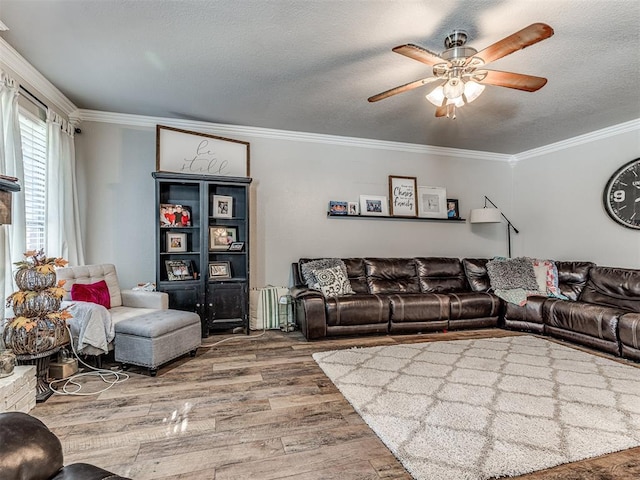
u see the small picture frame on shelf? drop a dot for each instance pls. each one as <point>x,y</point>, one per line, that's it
<point>374,205</point>
<point>337,208</point>
<point>353,208</point>
<point>178,270</point>
<point>432,202</point>
<point>222,206</point>
<point>236,247</point>
<point>176,242</point>
<point>453,210</point>
<point>402,196</point>
<point>219,270</point>
<point>174,215</point>
<point>221,237</point>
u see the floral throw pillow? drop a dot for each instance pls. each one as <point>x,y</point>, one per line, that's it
<point>332,282</point>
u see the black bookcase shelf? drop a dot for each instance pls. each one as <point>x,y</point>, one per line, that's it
<point>222,304</point>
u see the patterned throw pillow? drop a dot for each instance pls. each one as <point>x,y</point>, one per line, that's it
<point>551,277</point>
<point>332,282</point>
<point>512,273</point>
<point>308,270</point>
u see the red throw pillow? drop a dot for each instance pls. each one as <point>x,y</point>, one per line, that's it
<point>92,292</point>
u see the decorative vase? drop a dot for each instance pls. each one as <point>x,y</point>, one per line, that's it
<point>31,279</point>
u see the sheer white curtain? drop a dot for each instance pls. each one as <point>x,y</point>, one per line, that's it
<point>12,237</point>
<point>63,238</point>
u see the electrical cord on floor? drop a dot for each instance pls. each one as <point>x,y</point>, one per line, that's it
<point>264,332</point>
<point>110,377</point>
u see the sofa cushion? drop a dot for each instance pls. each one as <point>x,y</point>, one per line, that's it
<point>615,287</point>
<point>596,321</point>
<point>421,307</point>
<point>441,275</point>
<point>358,309</point>
<point>91,274</point>
<point>392,275</point>
<point>629,331</point>
<point>92,292</point>
<point>475,270</point>
<point>357,274</point>
<point>466,305</point>
<point>572,277</point>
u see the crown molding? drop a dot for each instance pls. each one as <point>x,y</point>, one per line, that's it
<point>226,130</point>
<point>630,126</point>
<point>13,60</point>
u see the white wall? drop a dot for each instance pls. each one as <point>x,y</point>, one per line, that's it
<point>293,183</point>
<point>558,200</point>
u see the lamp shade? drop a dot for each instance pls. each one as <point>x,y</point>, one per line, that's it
<point>485,215</point>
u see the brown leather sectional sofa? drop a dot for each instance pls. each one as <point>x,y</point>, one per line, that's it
<point>404,295</point>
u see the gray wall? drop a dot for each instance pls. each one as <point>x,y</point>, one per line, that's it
<point>293,183</point>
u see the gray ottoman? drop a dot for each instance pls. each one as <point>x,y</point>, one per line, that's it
<point>156,338</point>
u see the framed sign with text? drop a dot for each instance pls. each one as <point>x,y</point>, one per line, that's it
<point>183,151</point>
<point>402,196</point>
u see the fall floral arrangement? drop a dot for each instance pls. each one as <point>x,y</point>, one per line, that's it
<point>39,324</point>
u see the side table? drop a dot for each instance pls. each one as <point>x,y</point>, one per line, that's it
<point>41,361</point>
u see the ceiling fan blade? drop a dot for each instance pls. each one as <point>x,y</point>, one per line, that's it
<point>442,111</point>
<point>420,54</point>
<point>534,33</point>
<point>403,88</point>
<point>519,81</point>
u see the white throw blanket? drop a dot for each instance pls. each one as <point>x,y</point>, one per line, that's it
<point>90,326</point>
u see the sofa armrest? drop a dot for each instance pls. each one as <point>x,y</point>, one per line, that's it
<point>144,299</point>
<point>310,312</point>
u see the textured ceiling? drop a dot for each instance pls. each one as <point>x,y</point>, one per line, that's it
<point>310,65</point>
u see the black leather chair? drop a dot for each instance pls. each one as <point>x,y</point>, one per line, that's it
<point>30,451</point>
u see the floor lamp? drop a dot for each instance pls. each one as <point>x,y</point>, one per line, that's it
<point>492,215</point>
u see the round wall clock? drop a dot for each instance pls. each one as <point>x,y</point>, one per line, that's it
<point>622,195</point>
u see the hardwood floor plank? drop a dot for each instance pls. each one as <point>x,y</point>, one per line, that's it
<point>253,410</point>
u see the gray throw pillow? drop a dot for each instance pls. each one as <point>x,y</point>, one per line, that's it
<point>506,274</point>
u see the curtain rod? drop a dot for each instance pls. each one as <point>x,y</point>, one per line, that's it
<point>33,98</point>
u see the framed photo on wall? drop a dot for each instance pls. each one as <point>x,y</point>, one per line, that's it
<point>222,206</point>
<point>354,208</point>
<point>174,215</point>
<point>374,205</point>
<point>402,196</point>
<point>432,202</point>
<point>453,209</point>
<point>176,242</point>
<point>221,237</point>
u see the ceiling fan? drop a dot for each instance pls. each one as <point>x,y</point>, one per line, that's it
<point>460,69</point>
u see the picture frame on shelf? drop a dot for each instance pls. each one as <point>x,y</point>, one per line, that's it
<point>432,202</point>
<point>236,247</point>
<point>453,208</point>
<point>353,208</point>
<point>219,270</point>
<point>337,208</point>
<point>176,242</point>
<point>222,206</point>
<point>374,205</point>
<point>172,215</point>
<point>221,237</point>
<point>402,196</point>
<point>178,270</point>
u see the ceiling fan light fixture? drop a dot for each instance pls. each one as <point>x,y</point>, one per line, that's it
<point>436,96</point>
<point>454,88</point>
<point>472,90</point>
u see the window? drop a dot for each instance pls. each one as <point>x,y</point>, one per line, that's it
<point>33,131</point>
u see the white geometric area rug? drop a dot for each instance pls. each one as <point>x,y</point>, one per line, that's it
<point>479,409</point>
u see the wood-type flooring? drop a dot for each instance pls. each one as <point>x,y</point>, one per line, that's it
<point>251,408</point>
